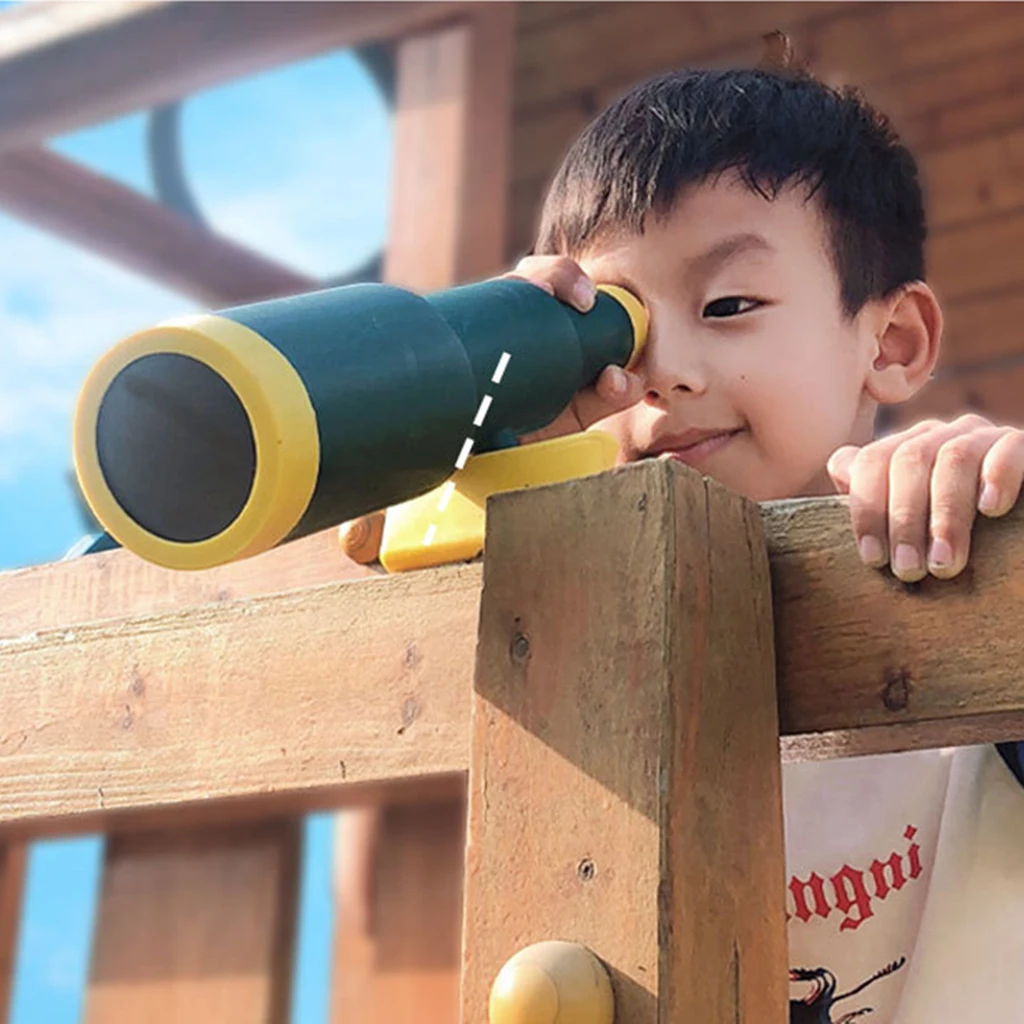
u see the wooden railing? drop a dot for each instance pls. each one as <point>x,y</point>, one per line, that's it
<point>621,677</point>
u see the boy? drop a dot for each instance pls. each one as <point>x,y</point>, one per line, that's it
<point>774,228</point>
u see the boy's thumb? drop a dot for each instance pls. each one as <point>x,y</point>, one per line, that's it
<point>839,465</point>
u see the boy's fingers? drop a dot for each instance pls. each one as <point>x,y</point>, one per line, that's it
<point>559,276</point>
<point>840,464</point>
<point>616,389</point>
<point>1002,471</point>
<point>910,489</point>
<point>954,498</point>
<point>863,474</point>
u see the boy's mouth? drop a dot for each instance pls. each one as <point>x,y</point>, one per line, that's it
<point>692,446</point>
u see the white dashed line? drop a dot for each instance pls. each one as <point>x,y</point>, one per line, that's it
<point>499,371</point>
<point>446,495</point>
<point>485,404</point>
<point>467,445</point>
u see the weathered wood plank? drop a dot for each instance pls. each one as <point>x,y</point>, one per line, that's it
<point>858,649</point>
<point>398,924</point>
<point>196,926</point>
<point>621,42</point>
<point>197,704</point>
<point>296,695</point>
<point>80,70</point>
<point>601,725</point>
<point>89,209</point>
<point>450,189</point>
<point>118,584</point>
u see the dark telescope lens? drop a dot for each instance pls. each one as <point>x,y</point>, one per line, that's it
<point>175,447</point>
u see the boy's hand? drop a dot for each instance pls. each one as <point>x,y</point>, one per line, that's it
<point>914,495</point>
<point>615,389</point>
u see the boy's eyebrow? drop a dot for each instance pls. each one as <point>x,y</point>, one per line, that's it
<point>711,259</point>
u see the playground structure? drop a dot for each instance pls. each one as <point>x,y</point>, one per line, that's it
<point>615,694</point>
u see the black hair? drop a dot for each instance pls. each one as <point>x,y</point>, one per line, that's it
<point>775,129</point>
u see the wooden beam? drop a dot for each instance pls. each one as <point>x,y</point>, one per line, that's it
<point>452,130</point>
<point>293,697</point>
<point>117,584</point>
<point>196,703</point>
<point>145,237</point>
<point>867,664</point>
<point>196,926</point>
<point>624,764</point>
<point>85,63</point>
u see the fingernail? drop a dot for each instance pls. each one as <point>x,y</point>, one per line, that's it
<point>583,294</point>
<point>940,556</point>
<point>905,559</point>
<point>989,500</point>
<point>618,386</point>
<point>871,552</point>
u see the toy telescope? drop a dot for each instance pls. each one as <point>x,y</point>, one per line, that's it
<point>215,437</point>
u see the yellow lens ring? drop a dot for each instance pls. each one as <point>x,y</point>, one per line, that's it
<point>637,313</point>
<point>281,417</point>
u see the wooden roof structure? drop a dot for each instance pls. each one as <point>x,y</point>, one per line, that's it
<point>488,96</point>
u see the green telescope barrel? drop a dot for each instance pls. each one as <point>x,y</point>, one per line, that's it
<point>215,437</point>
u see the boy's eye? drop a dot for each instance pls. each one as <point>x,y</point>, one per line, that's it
<point>733,305</point>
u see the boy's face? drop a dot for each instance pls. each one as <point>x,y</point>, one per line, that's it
<point>747,337</point>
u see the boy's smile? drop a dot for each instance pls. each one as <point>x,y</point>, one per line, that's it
<point>753,373</point>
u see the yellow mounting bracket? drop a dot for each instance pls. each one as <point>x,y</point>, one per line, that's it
<point>447,523</point>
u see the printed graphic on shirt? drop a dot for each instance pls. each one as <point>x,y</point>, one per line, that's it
<point>852,891</point>
<point>816,1006</point>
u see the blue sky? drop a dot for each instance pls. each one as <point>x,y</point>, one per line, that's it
<point>295,163</point>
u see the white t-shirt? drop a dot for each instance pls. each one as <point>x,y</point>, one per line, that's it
<point>905,888</point>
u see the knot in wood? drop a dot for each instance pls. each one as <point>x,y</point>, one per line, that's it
<point>896,694</point>
<point>586,869</point>
<point>520,649</point>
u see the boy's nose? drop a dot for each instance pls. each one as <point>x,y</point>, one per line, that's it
<point>671,367</point>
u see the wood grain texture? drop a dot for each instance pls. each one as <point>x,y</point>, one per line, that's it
<point>196,927</point>
<point>118,584</point>
<point>624,759</point>
<point>397,932</point>
<point>301,695</point>
<point>857,649</point>
<point>13,864</point>
<point>196,705</point>
<point>450,189</point>
<point>73,74</point>
<point>89,209</point>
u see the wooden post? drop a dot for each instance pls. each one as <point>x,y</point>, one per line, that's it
<point>196,926</point>
<point>399,907</point>
<point>624,771</point>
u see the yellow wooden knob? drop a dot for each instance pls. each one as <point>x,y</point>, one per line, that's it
<point>552,983</point>
<point>360,538</point>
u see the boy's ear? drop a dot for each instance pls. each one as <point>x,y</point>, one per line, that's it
<point>907,333</point>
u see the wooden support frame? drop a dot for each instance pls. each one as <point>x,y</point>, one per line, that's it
<point>624,759</point>
<point>89,209</point>
<point>63,66</point>
<point>835,624</point>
